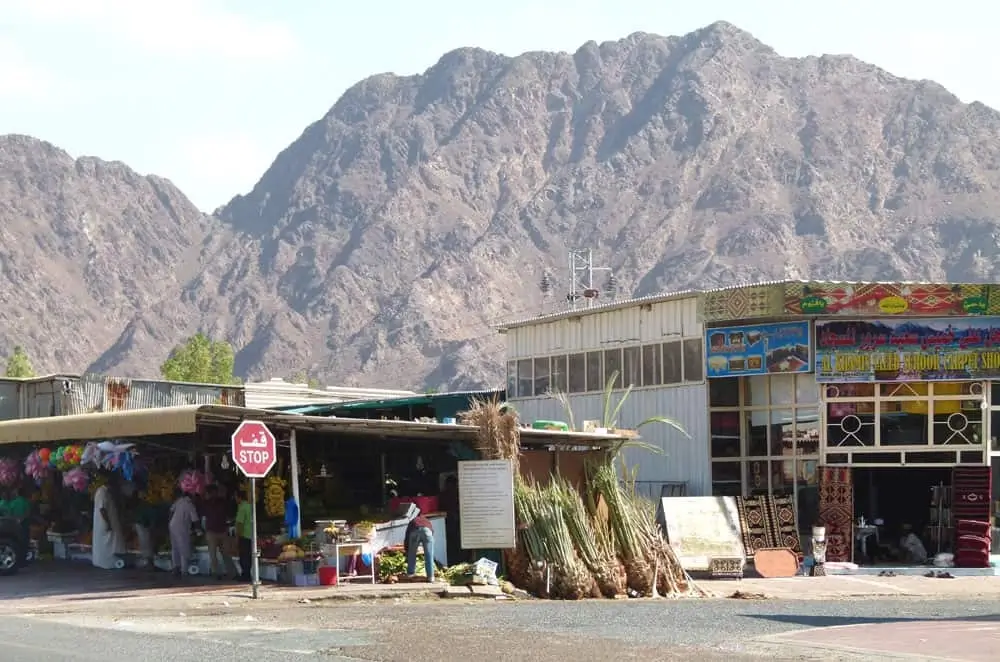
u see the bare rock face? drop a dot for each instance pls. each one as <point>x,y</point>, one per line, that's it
<point>85,244</point>
<point>381,245</point>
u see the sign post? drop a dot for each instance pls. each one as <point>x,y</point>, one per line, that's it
<point>255,452</point>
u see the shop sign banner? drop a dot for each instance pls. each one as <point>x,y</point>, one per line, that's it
<point>757,349</point>
<point>887,299</point>
<point>899,350</point>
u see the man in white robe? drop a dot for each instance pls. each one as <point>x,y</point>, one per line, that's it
<point>108,538</point>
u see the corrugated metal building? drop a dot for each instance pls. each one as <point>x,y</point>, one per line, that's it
<point>655,344</point>
<point>276,393</point>
<point>58,395</point>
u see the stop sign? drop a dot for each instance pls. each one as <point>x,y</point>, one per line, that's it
<point>255,450</point>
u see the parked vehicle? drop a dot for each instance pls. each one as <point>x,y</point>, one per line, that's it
<point>13,546</point>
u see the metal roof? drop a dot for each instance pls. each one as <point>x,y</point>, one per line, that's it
<point>186,419</point>
<point>600,308</point>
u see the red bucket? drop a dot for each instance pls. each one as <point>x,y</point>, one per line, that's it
<point>328,575</point>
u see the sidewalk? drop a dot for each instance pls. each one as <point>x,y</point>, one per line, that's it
<point>839,587</point>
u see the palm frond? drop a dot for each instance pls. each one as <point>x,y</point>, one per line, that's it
<point>665,421</point>
<point>563,398</point>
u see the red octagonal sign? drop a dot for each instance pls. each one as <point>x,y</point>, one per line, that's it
<point>255,450</point>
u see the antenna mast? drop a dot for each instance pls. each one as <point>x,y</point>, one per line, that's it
<point>581,272</point>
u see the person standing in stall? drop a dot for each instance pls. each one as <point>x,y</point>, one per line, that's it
<point>419,533</point>
<point>244,535</point>
<point>183,516</point>
<point>108,538</point>
<point>215,510</point>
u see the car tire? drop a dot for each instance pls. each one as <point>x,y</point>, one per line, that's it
<point>9,560</point>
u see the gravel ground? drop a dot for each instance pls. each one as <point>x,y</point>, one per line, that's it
<point>388,631</point>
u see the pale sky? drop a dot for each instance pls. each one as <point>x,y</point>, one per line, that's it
<point>207,92</point>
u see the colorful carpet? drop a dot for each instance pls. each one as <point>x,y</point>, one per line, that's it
<point>971,493</point>
<point>836,512</point>
<point>755,523</point>
<point>785,524</point>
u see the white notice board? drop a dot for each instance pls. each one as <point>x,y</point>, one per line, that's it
<point>486,504</point>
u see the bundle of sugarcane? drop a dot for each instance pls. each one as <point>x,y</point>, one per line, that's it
<point>622,521</point>
<point>571,580</point>
<point>601,562</point>
<point>671,579</point>
<point>530,555</point>
<point>614,570</point>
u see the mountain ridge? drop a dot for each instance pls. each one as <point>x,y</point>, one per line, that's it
<point>383,243</point>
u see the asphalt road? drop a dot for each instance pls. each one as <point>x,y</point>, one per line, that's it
<point>443,630</point>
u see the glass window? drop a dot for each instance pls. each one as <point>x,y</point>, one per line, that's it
<point>726,472</point>
<point>782,477</point>
<point>632,368</point>
<point>757,471</point>
<point>525,382</point>
<point>694,360</point>
<point>652,370</point>
<point>806,392</point>
<point>724,392</point>
<point>577,378</point>
<point>782,433</point>
<point>725,431</point>
<point>542,376</point>
<point>612,365</point>
<point>757,439</point>
<point>807,431</point>
<point>511,379</point>
<point>595,374</point>
<point>807,489</point>
<point>756,390</point>
<point>782,389</point>
<point>558,376</point>
<point>672,357</point>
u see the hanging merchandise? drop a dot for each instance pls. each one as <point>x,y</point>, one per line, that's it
<point>110,456</point>
<point>76,479</point>
<point>192,482</point>
<point>274,496</point>
<point>160,488</point>
<point>66,457</point>
<point>37,465</point>
<point>9,472</point>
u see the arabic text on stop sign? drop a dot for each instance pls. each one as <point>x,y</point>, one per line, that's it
<point>255,457</point>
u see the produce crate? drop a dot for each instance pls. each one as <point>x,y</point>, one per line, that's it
<point>306,580</point>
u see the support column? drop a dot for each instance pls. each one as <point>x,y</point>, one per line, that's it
<point>294,462</point>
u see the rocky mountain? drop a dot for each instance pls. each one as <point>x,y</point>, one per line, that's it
<point>381,244</point>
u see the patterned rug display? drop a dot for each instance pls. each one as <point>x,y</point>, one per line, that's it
<point>836,512</point>
<point>756,523</point>
<point>786,523</point>
<point>971,493</point>
<point>768,522</point>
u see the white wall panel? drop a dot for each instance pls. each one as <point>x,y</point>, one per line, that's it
<point>682,459</point>
<point>668,320</point>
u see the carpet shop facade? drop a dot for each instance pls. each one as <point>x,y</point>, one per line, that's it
<point>875,406</point>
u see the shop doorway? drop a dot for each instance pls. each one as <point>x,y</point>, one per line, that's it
<point>896,501</point>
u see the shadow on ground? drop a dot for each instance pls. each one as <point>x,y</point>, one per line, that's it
<point>818,621</point>
<point>79,582</point>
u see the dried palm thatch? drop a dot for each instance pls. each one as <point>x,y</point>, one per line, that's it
<point>499,434</point>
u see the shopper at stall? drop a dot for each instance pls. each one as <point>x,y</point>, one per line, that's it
<point>183,516</point>
<point>419,533</point>
<point>108,538</point>
<point>19,508</point>
<point>244,535</point>
<point>215,510</point>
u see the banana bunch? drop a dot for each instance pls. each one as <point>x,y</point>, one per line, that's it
<point>274,496</point>
<point>160,488</point>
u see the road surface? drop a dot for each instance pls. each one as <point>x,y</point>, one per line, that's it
<point>709,630</point>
